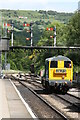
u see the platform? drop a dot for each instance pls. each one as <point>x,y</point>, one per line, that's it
<point>11,105</point>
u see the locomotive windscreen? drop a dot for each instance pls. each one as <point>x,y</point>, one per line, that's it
<point>67,64</point>
<point>53,64</point>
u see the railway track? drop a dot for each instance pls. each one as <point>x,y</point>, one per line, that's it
<point>62,116</point>
<point>72,100</point>
<point>73,96</point>
<point>50,110</point>
<point>37,82</point>
<point>69,98</point>
<point>65,98</point>
<point>54,100</point>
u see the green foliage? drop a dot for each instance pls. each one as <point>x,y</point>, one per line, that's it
<point>60,35</point>
<point>67,34</point>
<point>73,30</point>
<point>19,60</point>
<point>12,65</point>
<point>18,25</point>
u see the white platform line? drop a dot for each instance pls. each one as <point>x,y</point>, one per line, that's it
<point>26,105</point>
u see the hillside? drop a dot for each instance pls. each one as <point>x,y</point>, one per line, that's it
<point>67,30</point>
<point>36,15</point>
<point>40,18</point>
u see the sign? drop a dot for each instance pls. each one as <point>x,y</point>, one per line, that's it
<point>60,70</point>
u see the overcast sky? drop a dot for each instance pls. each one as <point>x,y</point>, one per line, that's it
<point>56,5</point>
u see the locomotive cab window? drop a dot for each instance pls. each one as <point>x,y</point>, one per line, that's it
<point>53,64</point>
<point>67,64</point>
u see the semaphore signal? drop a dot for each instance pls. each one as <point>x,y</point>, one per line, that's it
<point>7,24</point>
<point>30,31</point>
<point>51,29</point>
<point>54,36</point>
<point>26,25</point>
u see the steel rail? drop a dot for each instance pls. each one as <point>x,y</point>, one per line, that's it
<point>74,104</point>
<point>48,104</point>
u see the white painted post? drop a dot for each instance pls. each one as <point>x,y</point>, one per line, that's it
<point>31,36</point>
<point>55,36</point>
<point>12,35</point>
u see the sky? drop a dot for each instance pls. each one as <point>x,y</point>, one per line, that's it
<point>55,5</point>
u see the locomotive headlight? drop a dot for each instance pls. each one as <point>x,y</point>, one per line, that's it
<point>56,82</point>
<point>66,83</point>
<point>63,77</point>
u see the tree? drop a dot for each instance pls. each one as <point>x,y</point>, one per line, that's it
<point>73,30</point>
<point>60,37</point>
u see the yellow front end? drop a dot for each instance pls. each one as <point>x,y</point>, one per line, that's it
<point>61,73</point>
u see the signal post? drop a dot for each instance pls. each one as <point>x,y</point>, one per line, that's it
<point>5,41</point>
<point>30,31</point>
<point>12,33</point>
<point>53,36</point>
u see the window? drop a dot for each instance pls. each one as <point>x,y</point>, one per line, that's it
<point>67,64</point>
<point>53,64</point>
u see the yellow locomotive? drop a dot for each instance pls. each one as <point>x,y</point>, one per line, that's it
<point>58,73</point>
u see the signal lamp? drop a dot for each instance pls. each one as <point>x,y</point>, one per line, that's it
<point>51,36</point>
<point>27,38</point>
<point>24,25</point>
<point>27,25</point>
<point>8,31</point>
<point>51,29</point>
